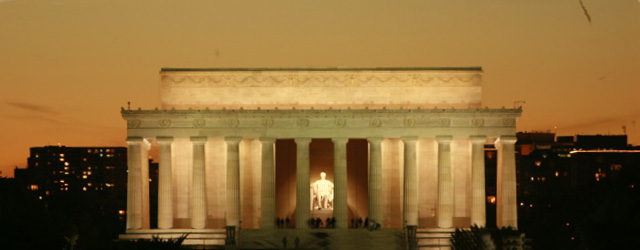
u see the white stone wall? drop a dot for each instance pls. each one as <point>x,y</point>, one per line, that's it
<point>321,89</point>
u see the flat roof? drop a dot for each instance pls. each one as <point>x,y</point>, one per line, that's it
<point>325,69</point>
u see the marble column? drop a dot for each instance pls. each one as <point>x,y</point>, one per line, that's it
<point>340,177</point>
<point>268,214</point>
<point>233,181</point>
<point>138,183</point>
<point>444,207</point>
<point>478,203</point>
<point>302,182</point>
<point>198,185</point>
<point>410,181</point>
<point>506,202</point>
<point>375,179</point>
<point>165,191</point>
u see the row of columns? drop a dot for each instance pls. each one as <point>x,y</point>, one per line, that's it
<point>138,194</point>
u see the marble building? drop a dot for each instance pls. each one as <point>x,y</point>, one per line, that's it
<point>239,148</point>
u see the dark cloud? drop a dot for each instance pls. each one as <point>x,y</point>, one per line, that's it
<point>34,117</point>
<point>32,107</point>
<point>606,121</point>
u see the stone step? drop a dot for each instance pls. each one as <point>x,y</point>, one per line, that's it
<point>433,247</point>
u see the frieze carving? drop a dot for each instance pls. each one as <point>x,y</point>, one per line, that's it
<point>164,123</point>
<point>508,122</point>
<point>409,122</point>
<point>320,80</point>
<point>477,122</point>
<point>198,123</point>
<point>444,122</point>
<point>300,119</point>
<point>232,123</point>
<point>375,123</point>
<point>302,122</point>
<point>267,123</point>
<point>134,123</point>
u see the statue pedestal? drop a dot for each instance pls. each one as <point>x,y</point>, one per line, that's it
<point>323,214</point>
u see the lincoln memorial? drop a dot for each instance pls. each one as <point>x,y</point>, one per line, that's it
<point>251,157</point>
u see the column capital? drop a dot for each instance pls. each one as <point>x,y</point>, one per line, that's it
<point>267,139</point>
<point>340,140</point>
<point>164,139</point>
<point>478,139</point>
<point>232,139</point>
<point>136,140</point>
<point>302,140</point>
<point>406,139</point>
<point>506,139</point>
<point>444,138</point>
<point>199,139</point>
<point>377,140</point>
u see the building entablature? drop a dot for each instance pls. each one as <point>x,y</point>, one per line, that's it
<point>325,123</point>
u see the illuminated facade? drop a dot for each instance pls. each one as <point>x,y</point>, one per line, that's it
<point>239,148</point>
<point>59,169</point>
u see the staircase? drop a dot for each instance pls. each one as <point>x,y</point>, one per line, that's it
<point>434,238</point>
<point>385,239</point>
<point>212,238</point>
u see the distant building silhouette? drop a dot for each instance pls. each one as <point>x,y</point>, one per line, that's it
<point>59,169</point>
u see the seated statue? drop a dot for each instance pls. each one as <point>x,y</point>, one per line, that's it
<point>322,193</point>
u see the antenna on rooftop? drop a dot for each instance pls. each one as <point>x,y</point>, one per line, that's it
<point>129,105</point>
<point>624,129</point>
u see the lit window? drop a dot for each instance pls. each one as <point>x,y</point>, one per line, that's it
<point>33,187</point>
<point>614,167</point>
<point>89,167</point>
<point>89,184</point>
<point>532,178</point>
<point>40,197</point>
<point>46,193</point>
<point>66,173</point>
<point>521,204</point>
<point>61,155</point>
<point>543,178</point>
<point>88,151</point>
<point>89,172</point>
<point>121,212</point>
<point>66,168</point>
<point>36,164</point>
<point>61,181</point>
<point>491,199</point>
<point>37,155</point>
<point>538,163</point>
<point>84,177</point>
<point>61,159</point>
<point>530,205</point>
<point>66,163</point>
<point>557,173</point>
<point>84,188</point>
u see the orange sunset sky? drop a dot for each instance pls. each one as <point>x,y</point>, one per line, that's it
<point>67,66</point>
